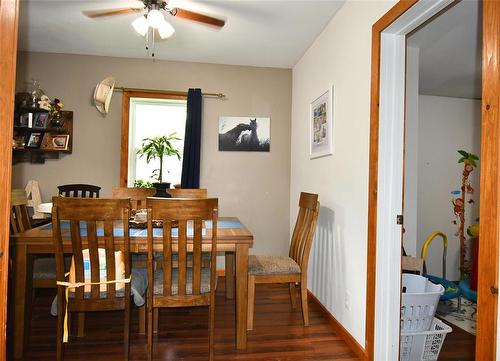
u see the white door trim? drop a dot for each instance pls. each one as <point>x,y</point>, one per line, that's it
<point>390,175</point>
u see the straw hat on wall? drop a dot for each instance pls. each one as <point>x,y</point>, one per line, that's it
<point>103,93</point>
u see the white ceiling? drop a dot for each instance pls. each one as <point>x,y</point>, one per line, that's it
<point>258,33</point>
<point>450,52</point>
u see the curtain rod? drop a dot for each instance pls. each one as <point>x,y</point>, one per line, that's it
<point>172,92</point>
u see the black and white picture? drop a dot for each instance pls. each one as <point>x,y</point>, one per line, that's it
<point>251,134</point>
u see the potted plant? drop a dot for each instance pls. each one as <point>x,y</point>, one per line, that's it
<point>157,148</point>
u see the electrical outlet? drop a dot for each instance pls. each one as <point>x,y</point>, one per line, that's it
<point>347,300</point>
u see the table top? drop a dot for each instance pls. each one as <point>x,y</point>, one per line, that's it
<point>229,231</point>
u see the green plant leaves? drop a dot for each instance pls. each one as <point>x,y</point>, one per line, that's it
<point>157,148</point>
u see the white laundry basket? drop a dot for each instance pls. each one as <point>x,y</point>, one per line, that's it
<point>423,345</point>
<point>419,302</point>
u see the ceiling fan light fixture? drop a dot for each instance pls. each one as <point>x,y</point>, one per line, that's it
<point>166,30</point>
<point>141,25</point>
<point>155,18</point>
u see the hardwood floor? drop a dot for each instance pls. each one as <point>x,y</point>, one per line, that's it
<point>278,333</point>
<point>458,346</point>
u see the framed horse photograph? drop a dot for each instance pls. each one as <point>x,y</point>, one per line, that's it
<point>245,134</point>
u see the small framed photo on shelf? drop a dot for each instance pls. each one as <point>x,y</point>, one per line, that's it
<point>34,140</point>
<point>24,119</point>
<point>40,120</point>
<point>60,141</point>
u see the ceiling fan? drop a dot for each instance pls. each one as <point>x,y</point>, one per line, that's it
<point>153,18</point>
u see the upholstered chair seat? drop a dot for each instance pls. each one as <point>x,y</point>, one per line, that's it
<point>272,265</point>
<point>204,286</point>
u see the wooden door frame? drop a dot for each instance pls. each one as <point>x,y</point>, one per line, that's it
<point>9,14</point>
<point>489,187</point>
<point>127,94</point>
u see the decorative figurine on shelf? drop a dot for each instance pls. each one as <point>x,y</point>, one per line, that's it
<point>54,107</point>
<point>459,202</point>
<point>35,92</point>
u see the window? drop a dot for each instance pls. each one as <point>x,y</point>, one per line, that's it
<point>151,117</point>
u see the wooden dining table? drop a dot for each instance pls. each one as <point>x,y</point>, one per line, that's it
<point>233,238</point>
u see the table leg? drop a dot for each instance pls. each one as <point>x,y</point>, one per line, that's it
<point>229,272</point>
<point>241,295</point>
<point>21,285</point>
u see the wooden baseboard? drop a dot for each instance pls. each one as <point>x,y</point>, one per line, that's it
<point>348,338</point>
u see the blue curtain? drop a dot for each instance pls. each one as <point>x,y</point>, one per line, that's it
<point>192,141</point>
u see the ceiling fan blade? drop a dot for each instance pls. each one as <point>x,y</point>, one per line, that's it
<point>191,15</point>
<point>110,12</point>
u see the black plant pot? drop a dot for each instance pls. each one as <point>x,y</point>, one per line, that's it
<point>161,190</point>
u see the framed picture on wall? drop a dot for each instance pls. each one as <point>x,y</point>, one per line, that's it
<point>245,134</point>
<point>321,125</point>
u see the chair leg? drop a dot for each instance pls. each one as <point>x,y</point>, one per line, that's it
<point>305,306</point>
<point>156,318</point>
<point>211,327</point>
<point>142,320</point>
<point>60,324</point>
<point>80,324</point>
<point>126,330</point>
<point>149,331</point>
<point>293,299</point>
<point>251,301</point>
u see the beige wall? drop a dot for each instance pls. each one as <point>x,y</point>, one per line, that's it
<point>252,186</point>
<point>339,56</point>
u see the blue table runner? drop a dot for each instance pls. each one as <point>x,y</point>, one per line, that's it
<point>157,232</point>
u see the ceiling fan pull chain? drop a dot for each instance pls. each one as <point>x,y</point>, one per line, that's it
<point>153,46</point>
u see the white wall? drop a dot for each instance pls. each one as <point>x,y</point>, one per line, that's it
<point>411,153</point>
<point>445,126</point>
<point>340,56</point>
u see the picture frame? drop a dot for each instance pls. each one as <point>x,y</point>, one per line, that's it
<point>24,119</point>
<point>40,120</point>
<point>244,134</point>
<point>321,125</point>
<point>33,140</point>
<point>60,141</point>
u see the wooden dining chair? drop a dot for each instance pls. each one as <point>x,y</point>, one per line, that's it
<point>182,286</point>
<point>188,193</point>
<point>137,195</point>
<point>291,269</point>
<point>92,225</point>
<point>79,190</point>
<point>44,268</point>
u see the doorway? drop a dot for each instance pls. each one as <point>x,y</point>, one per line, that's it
<point>441,177</point>
<point>386,175</point>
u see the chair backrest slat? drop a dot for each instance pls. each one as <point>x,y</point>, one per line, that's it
<point>94,257</point>
<point>188,215</point>
<point>167,257</point>
<point>92,226</point>
<point>197,246</point>
<point>76,246</point>
<point>305,227</point>
<point>79,190</point>
<point>182,249</point>
<point>137,195</point>
<point>109,241</point>
<point>188,193</point>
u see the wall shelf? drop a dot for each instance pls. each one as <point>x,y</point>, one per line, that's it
<point>45,147</point>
